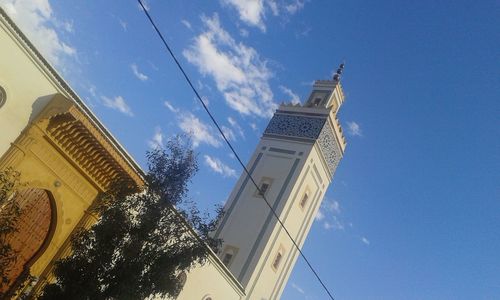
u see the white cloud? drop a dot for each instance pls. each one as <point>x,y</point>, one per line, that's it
<point>236,126</point>
<point>200,132</point>
<point>123,24</point>
<point>354,128</point>
<point>233,131</point>
<point>329,214</point>
<point>186,23</point>
<point>254,126</point>
<point>137,73</point>
<point>171,107</point>
<point>332,206</point>
<point>157,139</point>
<point>319,215</point>
<point>205,100</point>
<point>117,103</point>
<point>273,5</point>
<point>327,225</point>
<point>239,73</point>
<point>333,223</point>
<point>298,288</point>
<point>294,98</point>
<point>251,11</point>
<point>365,240</point>
<point>219,167</point>
<point>232,121</point>
<point>92,90</point>
<point>68,26</point>
<point>294,6</point>
<point>36,20</point>
<point>229,133</point>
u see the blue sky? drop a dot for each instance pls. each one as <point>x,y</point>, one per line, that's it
<point>414,208</point>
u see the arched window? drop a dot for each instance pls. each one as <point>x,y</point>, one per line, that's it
<point>304,199</point>
<point>278,258</point>
<point>228,255</point>
<point>182,277</point>
<point>34,228</point>
<point>264,187</point>
<point>3,96</point>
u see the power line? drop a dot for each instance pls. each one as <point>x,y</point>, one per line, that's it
<point>160,35</point>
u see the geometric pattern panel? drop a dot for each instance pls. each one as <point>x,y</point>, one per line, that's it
<point>295,126</point>
<point>330,148</point>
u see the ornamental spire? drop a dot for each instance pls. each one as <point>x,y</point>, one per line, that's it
<point>336,77</point>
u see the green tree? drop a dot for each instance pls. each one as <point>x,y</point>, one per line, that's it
<point>9,213</point>
<point>142,241</point>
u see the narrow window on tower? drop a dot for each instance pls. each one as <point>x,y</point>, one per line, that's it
<point>228,255</point>
<point>304,199</point>
<point>264,186</point>
<point>278,258</point>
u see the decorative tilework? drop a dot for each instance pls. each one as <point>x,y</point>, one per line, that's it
<point>308,127</point>
<point>329,147</point>
<point>295,126</point>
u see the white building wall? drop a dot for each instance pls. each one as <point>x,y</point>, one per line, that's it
<point>295,168</point>
<point>27,87</point>
<point>297,155</point>
<point>212,280</point>
<point>266,282</point>
<point>315,181</point>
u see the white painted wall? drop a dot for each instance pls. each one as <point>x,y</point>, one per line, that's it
<point>296,165</point>
<point>213,280</point>
<point>267,283</point>
<point>26,85</point>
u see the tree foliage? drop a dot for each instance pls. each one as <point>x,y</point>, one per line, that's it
<point>9,214</point>
<point>142,241</point>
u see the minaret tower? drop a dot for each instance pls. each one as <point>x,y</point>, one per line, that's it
<point>293,165</point>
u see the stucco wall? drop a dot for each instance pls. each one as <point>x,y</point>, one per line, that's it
<point>27,86</point>
<point>211,280</point>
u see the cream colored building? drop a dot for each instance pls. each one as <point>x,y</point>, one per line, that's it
<point>67,157</point>
<point>293,165</point>
<point>63,153</point>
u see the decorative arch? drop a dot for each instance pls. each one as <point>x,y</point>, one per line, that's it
<point>35,227</point>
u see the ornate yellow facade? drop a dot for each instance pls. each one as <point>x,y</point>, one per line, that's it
<point>58,146</point>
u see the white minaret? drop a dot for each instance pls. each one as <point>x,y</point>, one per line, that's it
<point>293,164</point>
